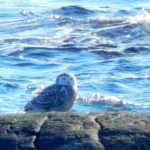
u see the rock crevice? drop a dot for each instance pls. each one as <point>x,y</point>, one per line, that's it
<point>45,118</point>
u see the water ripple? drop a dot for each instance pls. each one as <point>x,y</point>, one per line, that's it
<point>105,44</point>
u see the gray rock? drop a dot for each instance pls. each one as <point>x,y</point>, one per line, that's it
<point>69,131</point>
<point>75,131</point>
<point>125,131</point>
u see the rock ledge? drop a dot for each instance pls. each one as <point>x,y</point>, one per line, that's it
<point>75,131</point>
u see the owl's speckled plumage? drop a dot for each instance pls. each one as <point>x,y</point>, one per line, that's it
<point>57,97</point>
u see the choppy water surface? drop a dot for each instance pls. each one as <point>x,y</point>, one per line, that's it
<point>106,44</point>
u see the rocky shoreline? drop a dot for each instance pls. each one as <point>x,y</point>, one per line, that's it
<point>75,131</point>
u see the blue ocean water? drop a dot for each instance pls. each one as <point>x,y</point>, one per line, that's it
<point>106,44</point>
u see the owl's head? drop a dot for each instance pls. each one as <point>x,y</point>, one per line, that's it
<point>67,80</point>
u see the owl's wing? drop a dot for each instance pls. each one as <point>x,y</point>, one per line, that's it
<point>52,96</point>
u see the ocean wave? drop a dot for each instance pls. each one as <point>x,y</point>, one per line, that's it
<point>90,31</point>
<point>104,50</point>
<point>112,103</point>
<point>142,19</point>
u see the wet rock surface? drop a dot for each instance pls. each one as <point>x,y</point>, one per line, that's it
<point>75,131</point>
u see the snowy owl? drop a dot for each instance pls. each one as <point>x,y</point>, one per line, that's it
<point>57,97</point>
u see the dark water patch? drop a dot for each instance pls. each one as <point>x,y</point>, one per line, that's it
<point>123,12</point>
<point>26,64</point>
<point>137,49</point>
<point>147,67</point>
<point>73,10</point>
<point>108,54</point>
<point>123,61</point>
<point>142,8</point>
<point>107,7</point>
<point>106,45</point>
<point>9,86</point>
<point>107,61</point>
<point>15,53</point>
<point>69,49</point>
<point>37,53</point>
<point>37,66</point>
<point>71,45</point>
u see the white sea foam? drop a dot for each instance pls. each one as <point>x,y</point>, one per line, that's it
<point>26,12</point>
<point>110,100</point>
<point>97,97</point>
<point>54,16</point>
<point>142,19</point>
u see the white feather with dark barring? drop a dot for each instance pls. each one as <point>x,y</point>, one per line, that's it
<point>57,97</point>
